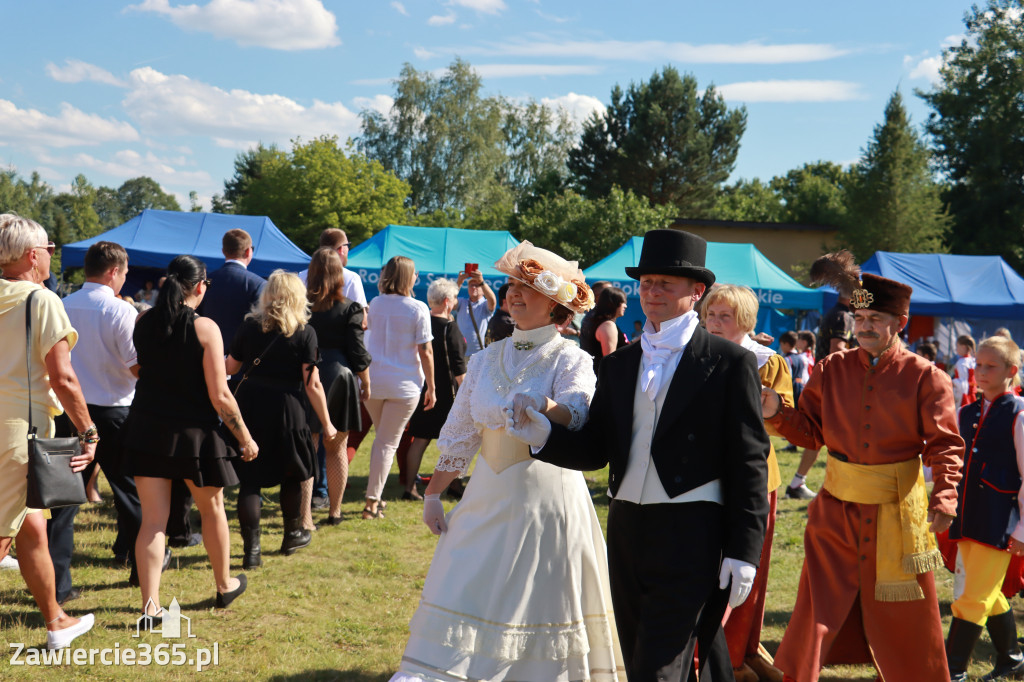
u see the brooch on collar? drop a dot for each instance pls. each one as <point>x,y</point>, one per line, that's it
<point>522,345</point>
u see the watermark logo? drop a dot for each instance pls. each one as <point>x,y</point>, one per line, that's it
<point>169,623</point>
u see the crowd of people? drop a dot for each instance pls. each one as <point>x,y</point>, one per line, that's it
<point>228,379</point>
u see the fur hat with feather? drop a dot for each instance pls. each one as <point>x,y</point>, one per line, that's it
<point>839,270</point>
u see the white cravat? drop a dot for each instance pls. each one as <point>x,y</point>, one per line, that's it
<point>762,353</point>
<point>658,346</point>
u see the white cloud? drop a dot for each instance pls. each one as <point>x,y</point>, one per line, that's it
<point>485,6</point>
<point>519,70</point>
<point>178,105</point>
<point>128,163</point>
<point>439,20</point>
<point>791,91</point>
<point>72,127</point>
<point>925,67</point>
<point>953,40</point>
<point>400,8</point>
<point>274,24</point>
<point>75,71</point>
<point>423,53</point>
<point>579,107</point>
<point>381,103</point>
<point>752,52</point>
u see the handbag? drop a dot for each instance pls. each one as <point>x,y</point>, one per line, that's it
<point>51,482</point>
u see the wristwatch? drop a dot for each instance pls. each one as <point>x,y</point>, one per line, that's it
<point>90,435</point>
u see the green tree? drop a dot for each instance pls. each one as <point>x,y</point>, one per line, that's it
<point>587,230</point>
<point>14,198</point>
<point>473,158</point>
<point>748,201</point>
<point>663,139</point>
<point>318,185</point>
<point>74,217</point>
<point>248,167</point>
<point>138,194</point>
<point>977,130</point>
<point>108,207</point>
<point>893,200</point>
<point>814,194</point>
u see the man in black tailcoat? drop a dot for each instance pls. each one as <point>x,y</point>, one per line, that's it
<point>678,417</point>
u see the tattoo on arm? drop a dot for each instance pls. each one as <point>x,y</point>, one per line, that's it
<point>233,420</point>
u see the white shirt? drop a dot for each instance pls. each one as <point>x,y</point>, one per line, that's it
<point>641,484</point>
<point>397,325</point>
<point>352,288</point>
<point>105,349</point>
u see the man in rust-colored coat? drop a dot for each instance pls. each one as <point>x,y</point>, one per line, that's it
<point>878,404</point>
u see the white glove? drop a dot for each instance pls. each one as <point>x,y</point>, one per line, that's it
<point>742,575</point>
<point>534,429</point>
<point>433,514</point>
<point>520,401</point>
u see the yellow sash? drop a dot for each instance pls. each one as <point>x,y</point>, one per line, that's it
<point>502,451</point>
<point>904,547</point>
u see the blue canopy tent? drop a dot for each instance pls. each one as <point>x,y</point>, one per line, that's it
<point>153,238</point>
<point>975,294</point>
<point>731,263</point>
<point>436,251</point>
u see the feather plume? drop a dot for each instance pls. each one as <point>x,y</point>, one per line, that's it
<point>838,270</point>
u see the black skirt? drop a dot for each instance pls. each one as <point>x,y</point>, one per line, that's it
<point>276,419</point>
<point>341,387</point>
<point>428,423</point>
<point>164,447</point>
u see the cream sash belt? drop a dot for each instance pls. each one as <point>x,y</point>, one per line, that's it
<point>502,451</point>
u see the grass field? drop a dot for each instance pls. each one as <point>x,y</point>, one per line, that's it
<point>335,611</point>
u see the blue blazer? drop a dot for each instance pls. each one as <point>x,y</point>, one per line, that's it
<point>232,293</point>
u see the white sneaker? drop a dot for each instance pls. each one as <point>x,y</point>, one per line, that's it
<point>801,492</point>
<point>9,562</point>
<point>58,639</point>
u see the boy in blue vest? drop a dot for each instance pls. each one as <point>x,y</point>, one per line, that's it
<point>988,527</point>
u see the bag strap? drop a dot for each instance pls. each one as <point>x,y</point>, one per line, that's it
<point>255,364</point>
<point>28,358</point>
<point>476,327</point>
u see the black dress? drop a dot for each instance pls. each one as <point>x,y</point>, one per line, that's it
<point>173,430</point>
<point>339,332</point>
<point>589,342</point>
<point>272,402</point>
<point>449,362</point>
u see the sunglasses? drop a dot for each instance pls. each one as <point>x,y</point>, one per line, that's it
<point>207,282</point>
<point>49,246</point>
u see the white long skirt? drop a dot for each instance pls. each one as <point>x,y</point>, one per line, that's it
<point>518,586</point>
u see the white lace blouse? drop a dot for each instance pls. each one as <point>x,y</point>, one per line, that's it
<point>553,366</point>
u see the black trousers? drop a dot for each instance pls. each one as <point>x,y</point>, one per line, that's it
<point>60,527</point>
<point>664,561</point>
<point>109,454</point>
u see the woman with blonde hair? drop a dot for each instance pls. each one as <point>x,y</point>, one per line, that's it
<point>729,311</point>
<point>344,367</point>
<point>275,352</point>
<point>398,338</point>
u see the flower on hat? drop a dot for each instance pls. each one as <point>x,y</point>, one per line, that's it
<point>547,282</point>
<point>529,269</point>
<point>584,299</point>
<point>566,293</point>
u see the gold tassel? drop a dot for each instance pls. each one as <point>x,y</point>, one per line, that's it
<point>904,591</point>
<point>922,562</point>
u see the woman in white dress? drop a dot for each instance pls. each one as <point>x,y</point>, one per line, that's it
<point>518,587</point>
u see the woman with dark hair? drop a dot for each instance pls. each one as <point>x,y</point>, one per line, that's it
<point>518,586</point>
<point>338,323</point>
<point>172,430</point>
<point>275,349</point>
<point>599,334</point>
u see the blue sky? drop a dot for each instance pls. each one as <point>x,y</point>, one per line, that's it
<point>118,89</point>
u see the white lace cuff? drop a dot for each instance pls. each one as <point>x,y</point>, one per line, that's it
<point>456,464</point>
<point>577,417</point>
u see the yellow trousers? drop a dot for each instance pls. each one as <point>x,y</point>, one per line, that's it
<point>984,571</point>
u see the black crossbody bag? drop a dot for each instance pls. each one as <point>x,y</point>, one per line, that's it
<point>51,482</point>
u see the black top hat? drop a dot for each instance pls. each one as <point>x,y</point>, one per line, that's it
<point>673,252</point>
